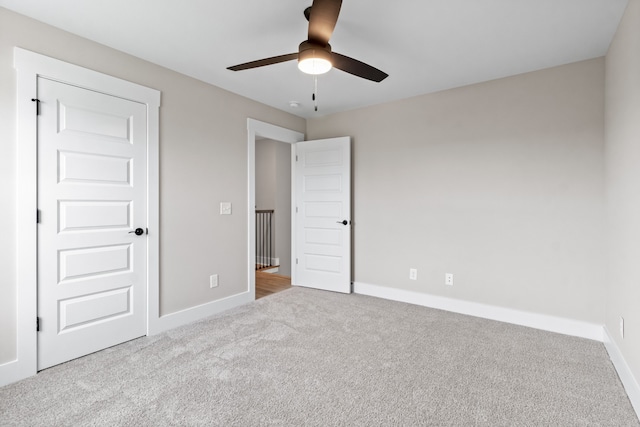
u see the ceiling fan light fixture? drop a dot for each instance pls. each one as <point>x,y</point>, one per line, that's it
<point>314,65</point>
<point>315,60</point>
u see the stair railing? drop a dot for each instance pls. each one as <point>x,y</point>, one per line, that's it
<point>264,239</point>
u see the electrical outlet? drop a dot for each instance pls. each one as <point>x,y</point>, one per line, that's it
<point>413,274</point>
<point>213,281</point>
<point>622,327</point>
<point>448,279</point>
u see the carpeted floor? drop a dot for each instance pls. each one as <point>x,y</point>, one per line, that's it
<point>311,358</point>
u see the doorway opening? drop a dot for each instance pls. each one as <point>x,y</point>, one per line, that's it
<point>257,133</point>
<point>273,216</point>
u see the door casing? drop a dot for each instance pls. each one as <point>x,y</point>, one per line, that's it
<point>29,66</point>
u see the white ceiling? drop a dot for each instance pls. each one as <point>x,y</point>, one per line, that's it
<point>424,45</point>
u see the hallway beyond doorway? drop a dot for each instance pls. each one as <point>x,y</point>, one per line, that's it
<point>270,283</point>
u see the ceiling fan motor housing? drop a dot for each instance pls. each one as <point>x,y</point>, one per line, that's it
<point>314,58</point>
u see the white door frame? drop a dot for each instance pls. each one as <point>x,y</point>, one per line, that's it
<point>256,128</point>
<point>29,66</point>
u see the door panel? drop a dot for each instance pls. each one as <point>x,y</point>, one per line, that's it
<point>88,309</point>
<point>93,215</point>
<point>94,169</point>
<point>92,173</point>
<point>323,201</point>
<point>93,262</point>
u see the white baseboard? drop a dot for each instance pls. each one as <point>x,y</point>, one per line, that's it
<point>193,314</point>
<point>626,376</point>
<point>12,372</point>
<point>533,320</point>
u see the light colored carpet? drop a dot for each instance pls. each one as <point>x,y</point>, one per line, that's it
<point>310,358</point>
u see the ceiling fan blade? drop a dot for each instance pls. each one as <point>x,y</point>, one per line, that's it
<point>357,68</point>
<point>322,20</point>
<point>263,62</point>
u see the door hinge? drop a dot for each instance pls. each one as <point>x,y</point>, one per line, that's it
<point>147,230</point>
<point>296,261</point>
<point>37,101</point>
<point>37,216</point>
<point>296,209</point>
<point>296,157</point>
<point>37,324</point>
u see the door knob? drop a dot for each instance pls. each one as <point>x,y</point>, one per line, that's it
<point>343,222</point>
<point>138,231</point>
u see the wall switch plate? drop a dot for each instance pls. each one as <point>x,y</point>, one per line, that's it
<point>213,281</point>
<point>225,208</point>
<point>448,279</point>
<point>413,273</point>
<point>622,327</point>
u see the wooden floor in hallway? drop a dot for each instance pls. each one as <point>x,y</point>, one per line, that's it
<point>270,283</point>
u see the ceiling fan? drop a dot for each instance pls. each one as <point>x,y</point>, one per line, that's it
<point>314,54</point>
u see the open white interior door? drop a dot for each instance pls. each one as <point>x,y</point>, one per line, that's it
<point>323,214</point>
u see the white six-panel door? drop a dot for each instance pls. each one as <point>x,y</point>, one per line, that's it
<point>91,196</point>
<point>323,217</point>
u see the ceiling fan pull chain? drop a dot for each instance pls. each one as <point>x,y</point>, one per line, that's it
<point>315,92</point>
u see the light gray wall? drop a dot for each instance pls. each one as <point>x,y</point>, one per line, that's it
<point>622,166</point>
<point>273,191</point>
<point>500,183</point>
<point>203,161</point>
<point>265,174</point>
